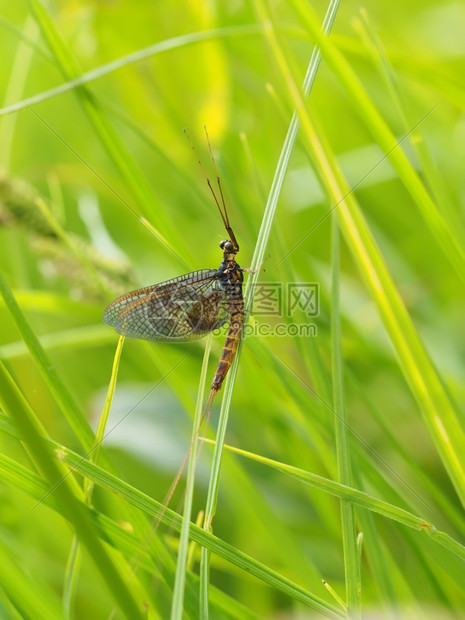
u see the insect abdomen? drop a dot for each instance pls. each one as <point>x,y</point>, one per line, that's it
<point>230,346</point>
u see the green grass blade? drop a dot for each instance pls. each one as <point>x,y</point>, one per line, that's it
<point>430,169</point>
<point>15,88</point>
<point>127,168</point>
<point>64,340</point>
<point>16,475</point>
<point>157,510</point>
<point>71,578</point>
<point>34,601</point>
<point>444,502</point>
<point>60,393</point>
<point>64,399</point>
<point>336,596</point>
<point>103,420</point>
<point>360,498</point>
<point>440,414</point>
<point>74,559</point>
<point>14,404</point>
<point>283,162</point>
<point>349,534</point>
<point>431,213</point>
<point>136,57</point>
<point>258,257</point>
<point>181,567</point>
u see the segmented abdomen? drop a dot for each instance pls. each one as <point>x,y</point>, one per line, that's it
<point>232,342</point>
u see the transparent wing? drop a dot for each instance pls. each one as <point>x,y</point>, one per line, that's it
<point>178,310</point>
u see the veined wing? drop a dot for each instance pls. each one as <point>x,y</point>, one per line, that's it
<point>178,310</point>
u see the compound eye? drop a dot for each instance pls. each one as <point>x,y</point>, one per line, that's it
<point>227,245</point>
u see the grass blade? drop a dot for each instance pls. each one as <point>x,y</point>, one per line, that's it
<point>14,404</point>
<point>108,137</point>
<point>349,534</point>
<point>74,559</point>
<point>258,257</point>
<point>69,407</point>
<point>181,567</point>
<point>440,414</point>
<point>158,510</point>
<point>431,213</point>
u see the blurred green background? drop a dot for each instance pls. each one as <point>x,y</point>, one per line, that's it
<point>93,158</point>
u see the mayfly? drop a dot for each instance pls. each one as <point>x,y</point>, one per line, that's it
<point>190,306</point>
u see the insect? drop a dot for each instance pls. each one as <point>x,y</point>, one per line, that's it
<point>188,307</point>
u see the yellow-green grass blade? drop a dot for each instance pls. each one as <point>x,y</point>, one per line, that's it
<point>24,595</point>
<point>390,144</point>
<point>14,90</point>
<point>128,169</point>
<point>343,455</point>
<point>112,532</point>
<point>439,411</point>
<point>51,377</point>
<point>160,47</point>
<point>257,260</point>
<point>360,498</point>
<point>181,566</point>
<point>16,407</point>
<point>155,509</point>
<point>74,558</point>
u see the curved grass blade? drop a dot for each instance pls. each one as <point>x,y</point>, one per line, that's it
<point>440,228</point>
<point>141,190</point>
<point>71,508</point>
<point>74,558</point>
<point>158,510</point>
<point>122,540</point>
<point>181,566</point>
<point>135,57</point>
<point>360,498</point>
<point>64,399</point>
<point>259,254</point>
<point>442,418</point>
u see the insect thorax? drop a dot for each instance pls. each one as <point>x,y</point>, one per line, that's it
<point>230,278</point>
